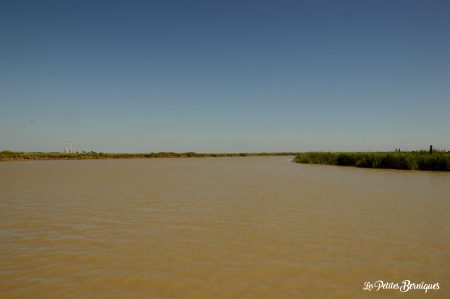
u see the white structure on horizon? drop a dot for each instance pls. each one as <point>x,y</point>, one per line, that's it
<point>69,148</point>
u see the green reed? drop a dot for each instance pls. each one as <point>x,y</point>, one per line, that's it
<point>421,160</point>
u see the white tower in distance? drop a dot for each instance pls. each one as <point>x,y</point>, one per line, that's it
<point>69,148</point>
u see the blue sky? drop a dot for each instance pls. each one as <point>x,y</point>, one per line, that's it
<point>224,76</point>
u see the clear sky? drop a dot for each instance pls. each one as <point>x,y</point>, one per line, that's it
<point>224,76</point>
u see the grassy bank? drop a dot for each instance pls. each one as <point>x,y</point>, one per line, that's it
<point>11,156</point>
<point>422,160</point>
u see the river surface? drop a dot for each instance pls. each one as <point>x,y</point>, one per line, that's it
<point>253,227</point>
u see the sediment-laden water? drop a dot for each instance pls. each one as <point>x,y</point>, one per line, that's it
<point>258,227</point>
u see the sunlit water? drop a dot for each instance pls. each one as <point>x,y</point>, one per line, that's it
<point>258,227</point>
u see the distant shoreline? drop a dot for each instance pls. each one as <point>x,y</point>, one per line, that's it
<point>418,160</point>
<point>26,156</point>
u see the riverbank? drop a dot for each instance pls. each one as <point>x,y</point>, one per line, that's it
<point>422,160</point>
<point>20,156</point>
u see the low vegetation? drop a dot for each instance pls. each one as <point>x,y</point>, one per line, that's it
<point>10,155</point>
<point>420,160</point>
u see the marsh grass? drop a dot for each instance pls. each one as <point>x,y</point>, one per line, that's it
<point>422,160</point>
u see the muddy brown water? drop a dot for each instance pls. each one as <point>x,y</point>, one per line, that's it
<point>253,227</point>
